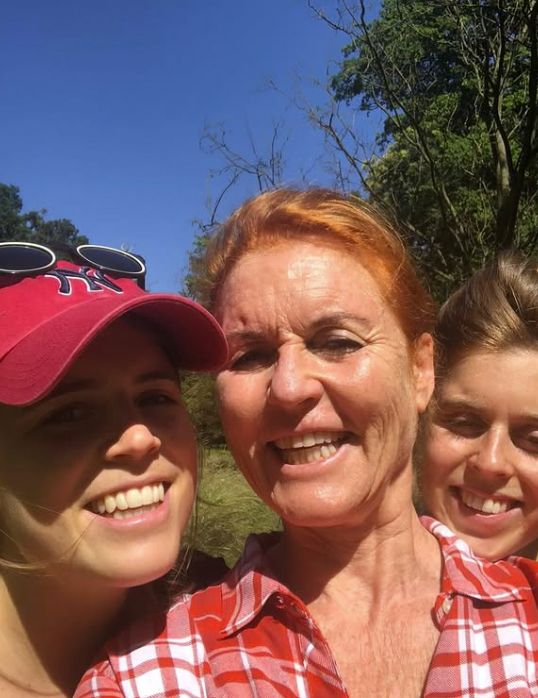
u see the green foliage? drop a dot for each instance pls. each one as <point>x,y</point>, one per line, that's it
<point>195,283</point>
<point>227,510</point>
<point>198,390</point>
<point>456,165</point>
<point>32,226</point>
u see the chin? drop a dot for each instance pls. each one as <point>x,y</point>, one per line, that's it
<point>134,574</point>
<point>488,549</point>
<point>324,515</point>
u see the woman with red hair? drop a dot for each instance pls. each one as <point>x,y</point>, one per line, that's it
<point>330,365</point>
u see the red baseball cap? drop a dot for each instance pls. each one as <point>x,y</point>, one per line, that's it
<point>47,320</point>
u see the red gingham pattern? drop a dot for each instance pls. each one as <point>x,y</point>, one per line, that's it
<point>250,637</point>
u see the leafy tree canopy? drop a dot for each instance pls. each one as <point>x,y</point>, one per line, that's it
<point>456,163</point>
<point>32,226</point>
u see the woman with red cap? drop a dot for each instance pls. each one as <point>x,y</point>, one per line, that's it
<point>97,453</point>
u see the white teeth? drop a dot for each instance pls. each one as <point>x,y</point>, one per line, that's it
<point>133,499</point>
<point>308,440</point>
<point>110,503</point>
<point>147,495</point>
<point>121,505</point>
<point>121,501</point>
<point>486,506</point>
<point>309,448</point>
<point>328,450</point>
<point>128,513</point>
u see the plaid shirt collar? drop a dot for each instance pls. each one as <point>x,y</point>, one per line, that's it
<point>463,573</point>
<point>251,571</point>
<point>492,582</point>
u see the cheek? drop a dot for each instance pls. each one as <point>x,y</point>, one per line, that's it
<point>240,402</point>
<point>180,447</point>
<point>45,491</point>
<point>35,537</point>
<point>527,473</point>
<point>442,455</point>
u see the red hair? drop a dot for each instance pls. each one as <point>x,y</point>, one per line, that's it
<point>328,218</point>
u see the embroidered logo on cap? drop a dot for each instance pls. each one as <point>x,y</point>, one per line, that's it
<point>94,280</point>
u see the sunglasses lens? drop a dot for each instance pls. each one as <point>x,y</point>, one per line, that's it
<point>111,260</point>
<point>23,258</point>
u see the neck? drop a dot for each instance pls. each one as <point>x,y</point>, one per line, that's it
<point>375,561</point>
<point>51,630</point>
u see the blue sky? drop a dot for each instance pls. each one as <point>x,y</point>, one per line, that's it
<point>103,104</point>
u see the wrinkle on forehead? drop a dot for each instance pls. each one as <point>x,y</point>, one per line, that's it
<point>308,276</point>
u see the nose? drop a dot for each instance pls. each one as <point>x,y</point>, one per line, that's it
<point>493,456</point>
<point>134,442</point>
<point>294,380</point>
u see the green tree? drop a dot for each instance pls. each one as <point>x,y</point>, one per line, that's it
<point>456,160</point>
<point>32,226</point>
<point>198,391</point>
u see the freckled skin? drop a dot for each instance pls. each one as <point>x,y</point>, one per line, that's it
<point>314,347</point>
<point>483,437</point>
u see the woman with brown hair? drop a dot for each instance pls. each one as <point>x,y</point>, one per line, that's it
<point>480,461</point>
<point>330,365</point>
<point>97,453</point>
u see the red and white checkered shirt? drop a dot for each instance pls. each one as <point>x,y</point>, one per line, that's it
<point>250,636</point>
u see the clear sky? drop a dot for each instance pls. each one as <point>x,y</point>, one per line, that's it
<point>102,105</point>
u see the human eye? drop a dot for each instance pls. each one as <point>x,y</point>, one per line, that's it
<point>466,425</point>
<point>252,359</point>
<point>160,397</point>
<point>527,441</point>
<point>335,344</point>
<point>66,415</point>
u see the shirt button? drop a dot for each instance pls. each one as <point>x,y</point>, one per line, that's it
<point>447,604</point>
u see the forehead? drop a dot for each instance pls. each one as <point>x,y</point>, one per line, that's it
<point>298,281</point>
<point>494,378</point>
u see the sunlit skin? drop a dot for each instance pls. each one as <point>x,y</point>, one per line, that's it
<point>314,348</point>
<point>482,444</point>
<point>116,421</point>
<point>319,402</point>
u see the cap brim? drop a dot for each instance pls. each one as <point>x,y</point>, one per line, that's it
<point>36,364</point>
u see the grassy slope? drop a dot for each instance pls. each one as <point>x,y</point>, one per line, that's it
<point>227,509</point>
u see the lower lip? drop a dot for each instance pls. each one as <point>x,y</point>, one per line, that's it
<point>146,519</point>
<point>479,523</point>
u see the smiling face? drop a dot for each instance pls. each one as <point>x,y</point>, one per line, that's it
<point>319,399</point>
<point>480,470</point>
<point>97,479</point>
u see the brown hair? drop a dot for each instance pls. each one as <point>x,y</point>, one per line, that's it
<point>323,216</point>
<point>494,310</point>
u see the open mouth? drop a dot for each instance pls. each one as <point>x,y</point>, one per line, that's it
<point>125,504</point>
<point>485,505</point>
<point>309,448</point>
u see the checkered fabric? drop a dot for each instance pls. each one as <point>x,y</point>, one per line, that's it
<point>249,636</point>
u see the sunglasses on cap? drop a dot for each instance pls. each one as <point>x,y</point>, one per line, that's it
<point>21,259</point>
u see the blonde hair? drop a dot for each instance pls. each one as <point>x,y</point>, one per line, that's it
<point>496,309</point>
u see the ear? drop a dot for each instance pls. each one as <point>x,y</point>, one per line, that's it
<point>423,370</point>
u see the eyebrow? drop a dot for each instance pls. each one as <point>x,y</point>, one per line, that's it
<point>469,403</point>
<point>321,322</point>
<point>458,403</point>
<point>92,384</point>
